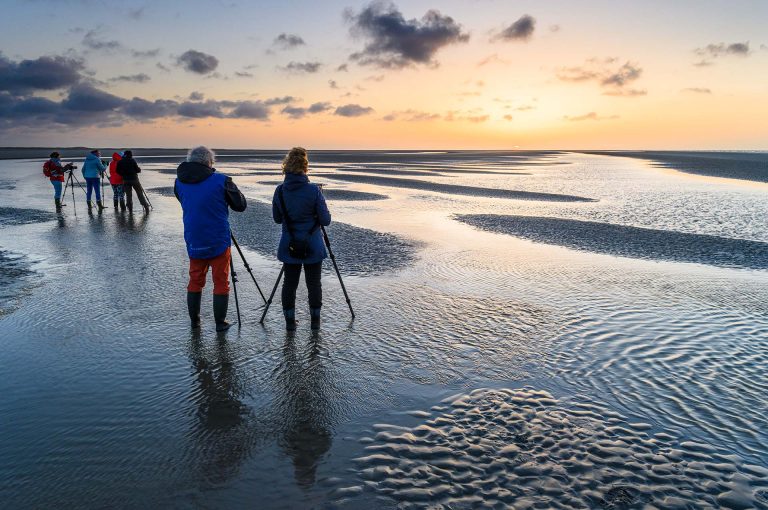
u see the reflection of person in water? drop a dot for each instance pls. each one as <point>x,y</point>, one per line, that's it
<point>224,431</point>
<point>305,410</point>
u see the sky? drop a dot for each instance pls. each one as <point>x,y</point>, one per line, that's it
<point>471,74</point>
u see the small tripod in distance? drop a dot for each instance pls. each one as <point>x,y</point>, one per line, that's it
<point>70,183</point>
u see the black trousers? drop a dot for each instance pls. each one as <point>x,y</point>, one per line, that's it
<point>291,283</point>
<point>128,187</point>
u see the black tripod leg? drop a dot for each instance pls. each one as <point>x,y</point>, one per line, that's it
<point>247,267</point>
<point>269,301</point>
<point>234,286</point>
<point>336,267</point>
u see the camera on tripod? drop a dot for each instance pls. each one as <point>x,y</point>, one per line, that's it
<point>69,167</point>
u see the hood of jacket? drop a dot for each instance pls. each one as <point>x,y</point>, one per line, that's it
<point>295,181</point>
<point>92,157</point>
<point>192,173</point>
<point>116,156</point>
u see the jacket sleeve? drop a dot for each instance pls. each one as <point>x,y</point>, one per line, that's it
<point>102,168</point>
<point>136,166</point>
<point>277,213</point>
<point>176,191</point>
<point>233,196</point>
<point>321,210</point>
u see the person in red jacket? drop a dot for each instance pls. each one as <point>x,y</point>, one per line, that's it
<point>116,180</point>
<point>54,170</point>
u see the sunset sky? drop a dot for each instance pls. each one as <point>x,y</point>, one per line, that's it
<point>419,74</point>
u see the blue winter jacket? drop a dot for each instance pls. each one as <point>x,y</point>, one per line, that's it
<point>306,208</point>
<point>92,167</point>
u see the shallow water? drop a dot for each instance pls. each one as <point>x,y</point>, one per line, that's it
<point>643,378</point>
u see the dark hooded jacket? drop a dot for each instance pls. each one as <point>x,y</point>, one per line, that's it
<point>128,169</point>
<point>307,210</point>
<point>206,197</point>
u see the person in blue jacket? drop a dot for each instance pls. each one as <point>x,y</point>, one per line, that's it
<point>300,207</point>
<point>206,197</point>
<point>93,169</point>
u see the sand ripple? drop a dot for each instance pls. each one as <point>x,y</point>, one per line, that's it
<point>524,448</point>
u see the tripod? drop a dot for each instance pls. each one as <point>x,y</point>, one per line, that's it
<point>335,266</point>
<point>71,181</point>
<point>234,275</point>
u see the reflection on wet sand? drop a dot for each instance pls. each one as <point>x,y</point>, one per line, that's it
<point>304,409</point>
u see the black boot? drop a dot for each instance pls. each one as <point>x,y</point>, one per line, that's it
<point>58,204</point>
<point>114,203</point>
<point>90,205</point>
<point>315,318</point>
<point>100,205</point>
<point>220,305</point>
<point>193,305</point>
<point>290,319</point>
<point>122,204</point>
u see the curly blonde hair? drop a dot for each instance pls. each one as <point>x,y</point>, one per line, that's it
<point>296,161</point>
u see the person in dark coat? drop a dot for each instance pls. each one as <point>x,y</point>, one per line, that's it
<point>300,207</point>
<point>206,197</point>
<point>129,170</point>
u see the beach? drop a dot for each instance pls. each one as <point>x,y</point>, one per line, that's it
<point>533,329</point>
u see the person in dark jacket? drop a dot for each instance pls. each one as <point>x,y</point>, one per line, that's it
<point>206,197</point>
<point>129,170</point>
<point>300,207</point>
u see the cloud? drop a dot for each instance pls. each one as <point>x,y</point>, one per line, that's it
<point>589,116</point>
<point>319,107</point>
<point>86,98</point>
<point>196,96</point>
<point>520,30</point>
<point>287,41</point>
<point>474,116</point>
<point>508,117</point>
<point>723,50</point>
<point>198,62</point>
<point>251,110</point>
<point>554,28</point>
<point>162,67</point>
<point>91,41</point>
<point>333,84</point>
<point>603,71</point>
<point>243,74</point>
<point>137,13</point>
<point>302,67</point>
<point>703,63</point>
<point>353,110</point>
<point>145,53</point>
<point>43,73</point>
<point>343,68</point>
<point>279,100</point>
<point>411,116</point>
<point>132,78</point>
<point>697,90</point>
<point>492,59</point>
<point>394,42</point>
<point>142,109</point>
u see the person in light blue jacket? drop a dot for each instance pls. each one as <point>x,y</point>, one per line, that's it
<point>93,169</point>
<point>300,207</point>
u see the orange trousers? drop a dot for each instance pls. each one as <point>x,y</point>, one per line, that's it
<point>198,270</point>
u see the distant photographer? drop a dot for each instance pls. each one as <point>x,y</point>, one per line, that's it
<point>206,197</point>
<point>54,170</point>
<point>129,170</point>
<point>300,207</point>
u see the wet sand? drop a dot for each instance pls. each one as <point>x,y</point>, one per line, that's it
<point>640,380</point>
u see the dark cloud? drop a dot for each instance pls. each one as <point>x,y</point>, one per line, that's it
<point>196,96</point>
<point>589,116</point>
<point>520,30</point>
<point>353,110</point>
<point>697,90</point>
<point>302,67</point>
<point>287,41</point>
<point>198,62</point>
<point>613,80</point>
<point>139,108</point>
<point>243,74</point>
<point>333,84</point>
<point>133,78</point>
<point>723,50</point>
<point>162,67</point>
<point>394,42</point>
<point>279,100</point>
<point>43,73</point>
<point>342,68</point>
<point>296,112</point>
<point>198,110</point>
<point>86,98</point>
<point>251,110</point>
<point>93,42</point>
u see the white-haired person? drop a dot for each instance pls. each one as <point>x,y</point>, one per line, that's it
<point>206,197</point>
